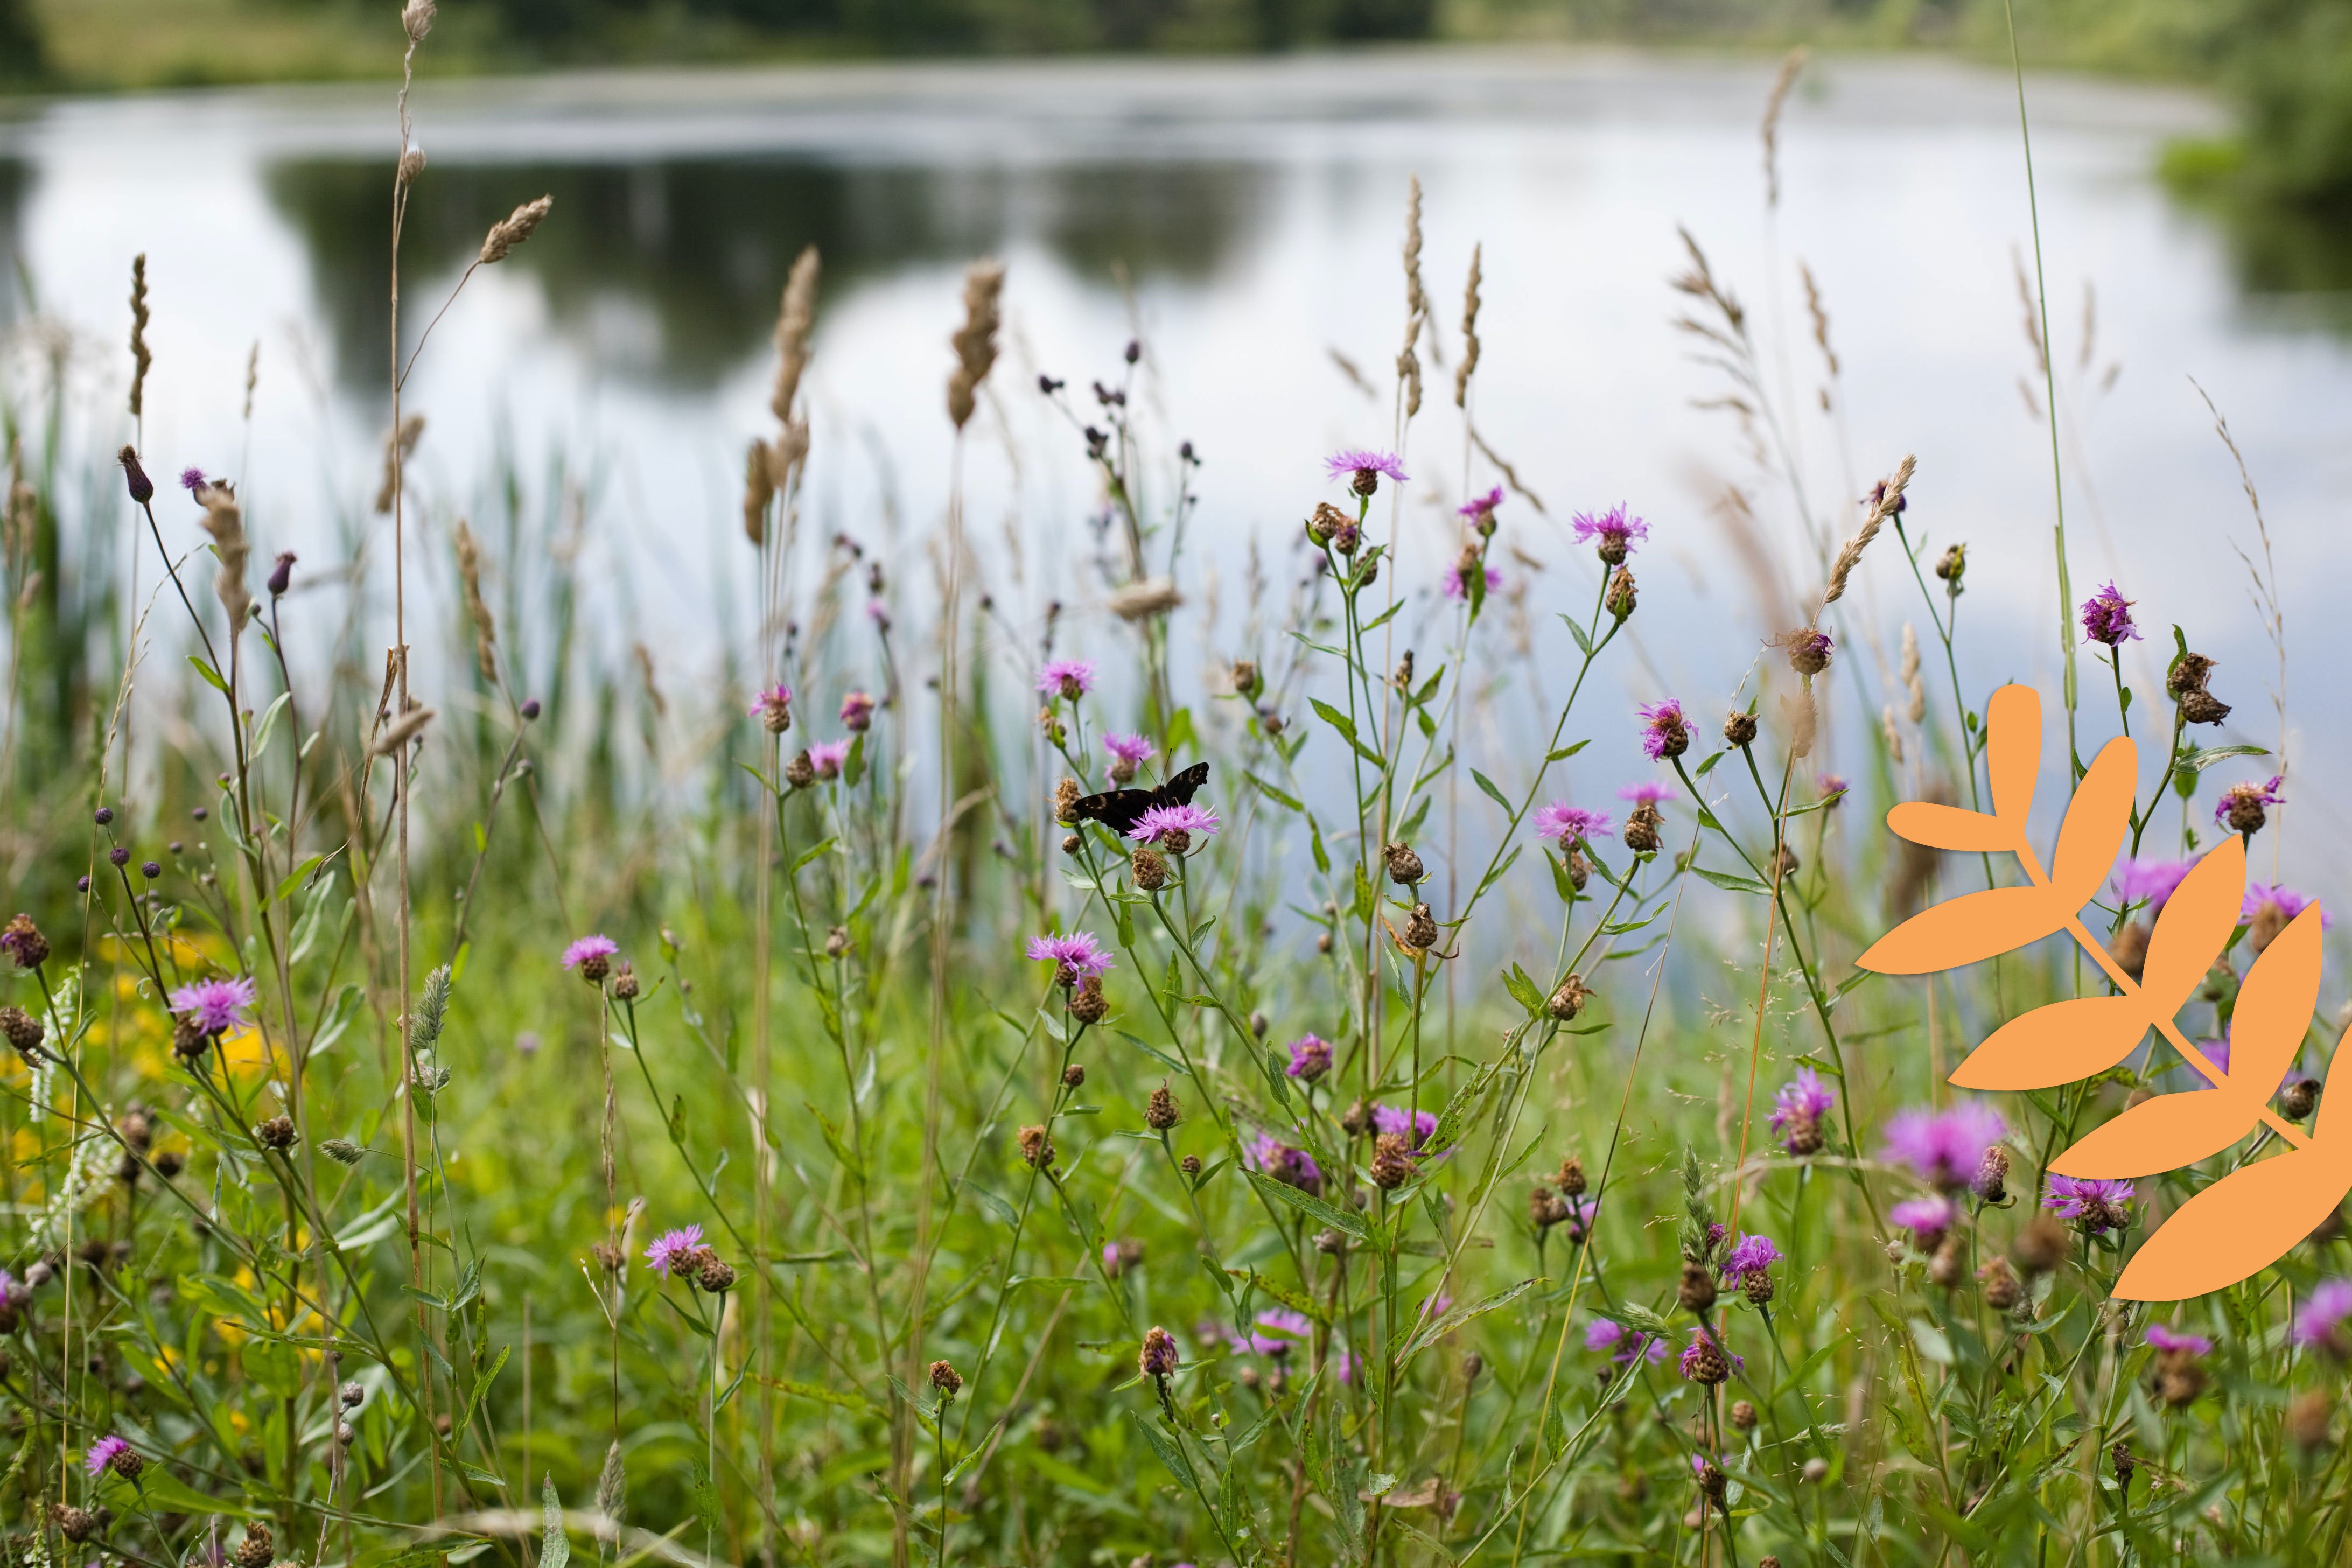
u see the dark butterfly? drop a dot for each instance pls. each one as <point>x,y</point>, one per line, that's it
<point>1119,809</point>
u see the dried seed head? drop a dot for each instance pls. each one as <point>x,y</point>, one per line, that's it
<point>2041,1246</point>
<point>1419,930</point>
<point>801,771</point>
<point>946,1380</point>
<point>1946,1266</point>
<point>470,576</point>
<point>1546,1208</point>
<point>1697,1292</point>
<point>1065,801</point>
<point>1620,599</point>
<point>2003,1291</point>
<point>1641,830</point>
<point>1400,677</point>
<point>224,521</point>
<point>1739,728</point>
<point>1405,866</point>
<point>2307,1417</point>
<point>1190,1164</point>
<point>1951,566</point>
<point>513,229</point>
<point>1743,1415</point>
<point>1565,1004</point>
<point>1160,1111</point>
<point>21,1029</point>
<point>2298,1099</point>
<point>1356,1119</point>
<point>1324,523</point>
<point>2130,947</point>
<point>1088,1004</point>
<point>795,321</point>
<point>838,942</point>
<point>714,1276</point>
<point>1580,869</point>
<point>975,340</point>
<point>257,1549</point>
<point>1393,1164</point>
<point>625,983</point>
<point>1247,681</point>
<point>759,490</point>
<point>277,1132</point>
<point>74,1524</point>
<point>417,20</point>
<point>2203,708</point>
<point>1149,870</point>
<point>1036,1148</point>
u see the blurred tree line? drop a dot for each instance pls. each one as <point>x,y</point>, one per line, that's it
<point>909,26</point>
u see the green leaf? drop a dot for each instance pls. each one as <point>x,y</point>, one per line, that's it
<point>294,878</point>
<point>1170,1452</point>
<point>1453,1320</point>
<point>1272,793</point>
<point>1493,794</point>
<point>554,1546</point>
<point>1583,643</point>
<point>1561,753</point>
<point>212,676</point>
<point>1522,989</point>
<point>1730,883</point>
<point>2198,761</point>
<point>1313,1207</point>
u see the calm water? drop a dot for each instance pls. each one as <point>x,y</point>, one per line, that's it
<point>1244,220</point>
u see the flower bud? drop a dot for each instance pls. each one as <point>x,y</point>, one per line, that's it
<point>1619,601</point>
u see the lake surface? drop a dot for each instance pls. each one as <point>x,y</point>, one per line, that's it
<point>1243,218</point>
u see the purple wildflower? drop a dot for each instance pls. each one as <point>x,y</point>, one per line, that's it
<point>217,1005</point>
<point>1647,791</point>
<point>2248,797</point>
<point>1277,1332</point>
<point>1832,786</point>
<point>880,614</point>
<point>2106,617</point>
<point>1570,824</point>
<point>2099,1205</point>
<point>1133,750</point>
<point>589,947</point>
<point>1391,1119</point>
<point>1613,530</point>
<point>1163,821</point>
<point>1074,956</point>
<point>1579,1223</point>
<point>1750,1255</point>
<point>1067,678</point>
<point>2218,1053</point>
<point>1802,1101</point>
<point>857,711</point>
<point>827,756</point>
<point>2319,1323</point>
<point>1926,1219</point>
<point>1481,506</point>
<point>1310,1057</point>
<point>1695,1352</point>
<point>1365,467</point>
<point>2148,882</point>
<point>1343,1367</point>
<point>102,1453</point>
<point>193,479</point>
<point>2288,902</point>
<point>1623,1345</point>
<point>775,699</point>
<point>673,1249</point>
<point>1293,1167</point>
<point>1944,1148</point>
<point>1455,587</point>
<point>2160,1338</point>
<point>1664,732</point>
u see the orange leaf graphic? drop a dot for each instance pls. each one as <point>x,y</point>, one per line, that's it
<point>2274,1004</point>
<point>2013,750</point>
<point>2163,1134</point>
<point>2194,925</point>
<point>1950,827</point>
<point>2097,821</point>
<point>1964,930</point>
<point>2243,1223</point>
<point>2056,1044</point>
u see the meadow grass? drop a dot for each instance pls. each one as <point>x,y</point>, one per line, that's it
<point>891,1144</point>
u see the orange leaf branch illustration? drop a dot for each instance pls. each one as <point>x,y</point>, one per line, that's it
<point>2216,1239</point>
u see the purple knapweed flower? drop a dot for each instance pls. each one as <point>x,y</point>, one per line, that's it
<point>2248,797</point>
<point>1276,1332</point>
<point>1664,732</point>
<point>1067,678</point>
<point>102,1452</point>
<point>827,756</point>
<point>1613,530</point>
<point>672,1250</point>
<point>2106,617</point>
<point>1750,1255</point>
<point>1074,956</point>
<point>1391,1119</point>
<point>1292,1166</point>
<point>1944,1148</point>
<point>1926,1219</point>
<point>1703,1345</point>
<point>216,1005</point>
<point>1647,793</point>
<point>1833,787</point>
<point>1132,749</point>
<point>1481,506</point>
<point>774,699</point>
<point>193,479</point>
<point>1623,1345</point>
<point>1364,468</point>
<point>2160,1338</point>
<point>2148,882</point>
<point>1798,1109</point>
<point>1343,1366</point>
<point>2218,1053</point>
<point>1310,1057</point>
<point>857,711</point>
<point>1570,824</point>
<point>2099,1205</point>
<point>1162,821</point>
<point>1578,1225</point>
<point>2319,1321</point>
<point>2285,899</point>
<point>589,947</point>
<point>1455,588</point>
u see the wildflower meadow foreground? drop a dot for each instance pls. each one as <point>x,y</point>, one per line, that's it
<point>1144,1087</point>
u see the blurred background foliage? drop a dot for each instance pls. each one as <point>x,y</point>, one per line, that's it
<point>2286,64</point>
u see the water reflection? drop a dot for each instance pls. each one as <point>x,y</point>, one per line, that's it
<point>699,247</point>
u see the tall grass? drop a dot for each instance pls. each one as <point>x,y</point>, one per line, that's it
<point>427,1143</point>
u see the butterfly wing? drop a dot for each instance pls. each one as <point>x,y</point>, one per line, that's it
<point>1116,809</point>
<point>1178,791</point>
